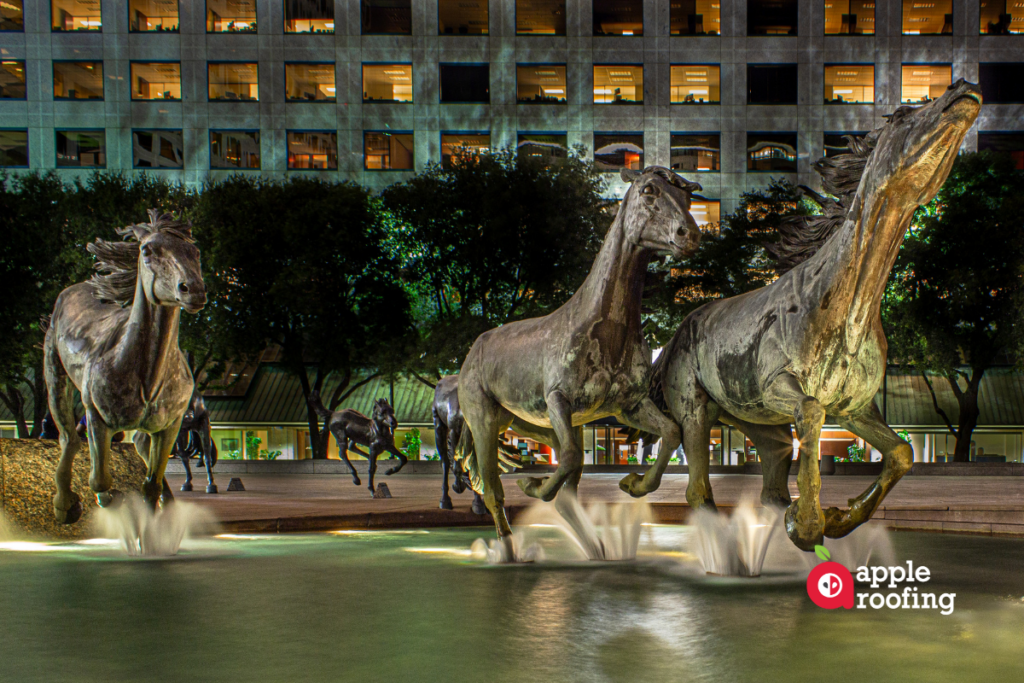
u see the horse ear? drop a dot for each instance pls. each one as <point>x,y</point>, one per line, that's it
<point>689,185</point>
<point>628,175</point>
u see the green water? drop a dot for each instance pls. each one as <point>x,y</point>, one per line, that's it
<point>407,607</point>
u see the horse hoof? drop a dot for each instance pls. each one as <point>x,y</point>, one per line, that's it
<point>187,486</point>
<point>356,482</point>
<point>446,503</point>
<point>109,499</point>
<point>529,485</point>
<point>212,488</point>
<point>633,484</point>
<point>479,508</point>
<point>72,514</point>
<point>803,536</point>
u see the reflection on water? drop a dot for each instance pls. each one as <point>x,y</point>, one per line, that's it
<point>414,607</point>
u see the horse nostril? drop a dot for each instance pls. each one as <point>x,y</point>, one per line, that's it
<point>183,288</point>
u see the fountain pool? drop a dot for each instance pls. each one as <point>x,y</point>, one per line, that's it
<point>414,606</point>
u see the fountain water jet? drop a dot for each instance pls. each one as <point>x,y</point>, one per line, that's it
<point>143,531</point>
<point>735,545</point>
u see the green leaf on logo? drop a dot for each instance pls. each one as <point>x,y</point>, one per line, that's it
<point>822,552</point>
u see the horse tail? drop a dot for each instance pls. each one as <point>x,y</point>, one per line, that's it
<point>441,436</point>
<point>318,406</point>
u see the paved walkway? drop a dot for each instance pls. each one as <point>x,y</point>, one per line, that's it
<point>986,505</point>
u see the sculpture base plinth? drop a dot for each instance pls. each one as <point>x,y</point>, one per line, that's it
<point>27,467</point>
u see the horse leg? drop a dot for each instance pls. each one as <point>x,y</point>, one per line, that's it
<point>441,441</point>
<point>100,478</point>
<point>160,445</point>
<point>67,505</point>
<point>343,454</point>
<point>570,456</point>
<point>774,444</point>
<point>402,460</point>
<point>648,417</point>
<point>372,468</point>
<point>567,505</point>
<point>187,486</point>
<point>206,443</point>
<point>897,459</point>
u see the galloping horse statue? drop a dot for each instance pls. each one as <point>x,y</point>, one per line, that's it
<point>195,439</point>
<point>115,338</point>
<point>584,361</point>
<point>350,427</point>
<point>810,346</point>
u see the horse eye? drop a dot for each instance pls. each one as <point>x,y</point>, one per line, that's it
<point>648,189</point>
<point>147,251</point>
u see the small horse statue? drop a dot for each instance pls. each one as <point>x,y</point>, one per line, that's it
<point>350,427</point>
<point>585,361</point>
<point>115,338</point>
<point>810,346</point>
<point>195,440</point>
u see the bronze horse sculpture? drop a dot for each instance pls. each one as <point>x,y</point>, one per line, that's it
<point>195,440</point>
<point>115,338</point>
<point>586,360</point>
<point>350,427</point>
<point>810,346</point>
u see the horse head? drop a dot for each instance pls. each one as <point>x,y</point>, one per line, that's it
<point>656,211</point>
<point>384,416</point>
<point>169,265</point>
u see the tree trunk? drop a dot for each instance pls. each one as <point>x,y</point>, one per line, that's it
<point>41,407</point>
<point>967,401</point>
<point>317,441</point>
<point>15,403</point>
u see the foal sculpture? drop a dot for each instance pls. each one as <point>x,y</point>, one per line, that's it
<point>350,427</point>
<point>584,361</point>
<point>195,439</point>
<point>811,345</point>
<point>115,338</point>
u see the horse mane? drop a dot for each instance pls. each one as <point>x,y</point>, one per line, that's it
<point>118,262</point>
<point>802,236</point>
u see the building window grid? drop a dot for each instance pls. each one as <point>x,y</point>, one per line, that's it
<point>12,16</point>
<point>312,150</point>
<point>158,149</point>
<point>12,79</point>
<point>388,151</point>
<point>152,16</point>
<point>231,16</point>
<point>155,80</point>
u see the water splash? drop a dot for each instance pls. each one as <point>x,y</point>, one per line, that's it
<point>604,531</point>
<point>867,544</point>
<point>736,545</point>
<point>145,532</point>
<point>505,551</point>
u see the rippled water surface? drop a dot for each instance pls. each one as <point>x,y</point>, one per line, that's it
<point>414,606</point>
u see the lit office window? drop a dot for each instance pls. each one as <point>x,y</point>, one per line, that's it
<point>459,148</point>
<point>75,15</point>
<point>540,17</point>
<point>387,16</point>
<point>836,143</point>
<point>695,17</point>
<point>313,150</point>
<point>465,84</point>
<point>462,17</point>
<point>309,16</point>
<point>1002,82</point>
<point>707,214</point>
<point>235,149</point>
<point>388,151</point>
<point>934,17</point>
<point>81,148</point>
<point>387,82</point>
<point>618,17</point>
<point>696,153</point>
<point>156,80</point>
<point>772,83</point>
<point>540,83</point>
<point>14,148</point>
<point>1006,143</point>
<point>772,17</point>
<point>231,16</point>
<point>12,80</point>
<point>1002,17</point>
<point>78,80</point>
<point>849,17</point>
<point>151,15</point>
<point>619,84</point>
<point>233,81</point>
<point>546,149</point>
<point>312,82</point>
<point>849,83</point>
<point>12,16</point>
<point>614,151</point>
<point>924,82</point>
<point>696,84</point>
<point>158,149</point>
<point>771,152</point>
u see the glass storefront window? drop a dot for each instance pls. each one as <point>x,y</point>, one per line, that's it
<point>547,149</point>
<point>695,17</point>
<point>234,149</point>
<point>618,17</point>
<point>392,17</point>
<point>313,150</point>
<point>231,16</point>
<point>1002,17</point>
<point>849,17</point>
<point>692,153</point>
<point>924,82</point>
<point>540,17</point>
<point>619,84</point>
<point>463,147</point>
<point>613,151</point>
<point>14,148</point>
<point>695,84</point>
<point>387,83</point>
<point>12,80</point>
<point>927,18</point>
<point>387,151</point>
<point>309,16</point>
<point>233,81</point>
<point>12,15</point>
<point>540,84</point>
<point>78,80</point>
<point>81,148</point>
<point>75,15</point>
<point>156,80</point>
<point>158,149</point>
<point>771,152</point>
<point>309,82</point>
<point>849,83</point>
<point>152,15</point>
<point>462,17</point>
